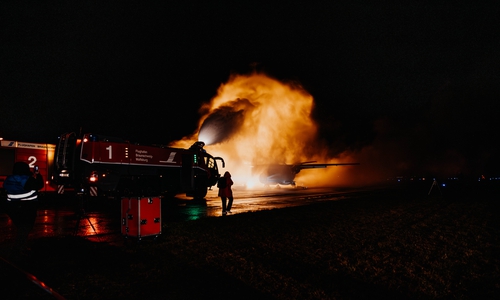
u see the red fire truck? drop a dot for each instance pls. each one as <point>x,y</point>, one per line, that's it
<point>98,165</point>
<point>41,155</point>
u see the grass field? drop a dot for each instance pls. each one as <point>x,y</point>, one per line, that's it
<point>394,244</point>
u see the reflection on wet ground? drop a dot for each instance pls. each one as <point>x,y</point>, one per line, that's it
<point>100,218</point>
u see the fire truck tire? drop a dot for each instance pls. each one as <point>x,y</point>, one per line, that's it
<point>200,193</point>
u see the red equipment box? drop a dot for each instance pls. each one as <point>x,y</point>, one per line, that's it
<point>141,216</point>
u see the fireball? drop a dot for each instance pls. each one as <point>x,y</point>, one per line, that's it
<point>255,120</point>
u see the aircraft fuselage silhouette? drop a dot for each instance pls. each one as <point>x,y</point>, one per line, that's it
<point>284,174</point>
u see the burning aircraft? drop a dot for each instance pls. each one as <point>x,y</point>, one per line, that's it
<point>257,121</point>
<point>283,174</point>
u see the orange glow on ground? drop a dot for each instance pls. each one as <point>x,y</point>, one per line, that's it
<point>255,120</point>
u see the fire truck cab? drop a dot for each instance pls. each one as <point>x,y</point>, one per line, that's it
<point>101,165</point>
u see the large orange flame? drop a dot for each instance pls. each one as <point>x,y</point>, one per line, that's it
<point>255,119</point>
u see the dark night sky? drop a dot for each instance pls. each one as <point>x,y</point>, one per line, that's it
<point>422,77</point>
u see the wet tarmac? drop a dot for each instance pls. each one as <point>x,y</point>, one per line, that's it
<point>100,219</point>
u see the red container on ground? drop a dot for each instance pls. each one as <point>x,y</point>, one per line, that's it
<point>141,216</point>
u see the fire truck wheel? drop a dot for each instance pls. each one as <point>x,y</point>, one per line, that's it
<point>200,193</point>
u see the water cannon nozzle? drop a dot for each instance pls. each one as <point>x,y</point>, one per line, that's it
<point>198,145</point>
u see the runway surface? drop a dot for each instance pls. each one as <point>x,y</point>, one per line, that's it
<point>100,218</point>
